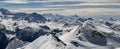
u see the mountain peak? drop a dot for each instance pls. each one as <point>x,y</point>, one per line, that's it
<point>41,42</point>
<point>35,13</point>
<point>4,11</point>
<point>34,17</point>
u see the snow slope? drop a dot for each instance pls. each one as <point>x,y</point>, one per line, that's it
<point>91,35</point>
<point>45,42</point>
<point>73,32</point>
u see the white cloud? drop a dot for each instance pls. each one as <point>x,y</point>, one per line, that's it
<point>15,1</point>
<point>23,1</point>
<point>92,11</point>
<point>86,7</point>
<point>82,12</point>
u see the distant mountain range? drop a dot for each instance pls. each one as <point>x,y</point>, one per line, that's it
<point>33,17</point>
<point>53,31</point>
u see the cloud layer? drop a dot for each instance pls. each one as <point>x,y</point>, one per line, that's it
<point>28,1</point>
<point>66,7</point>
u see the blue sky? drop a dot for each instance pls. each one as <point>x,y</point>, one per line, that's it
<point>65,7</point>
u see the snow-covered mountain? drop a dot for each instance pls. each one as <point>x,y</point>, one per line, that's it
<point>53,31</point>
<point>5,11</point>
<point>33,17</point>
<point>67,21</point>
<point>15,43</point>
<point>91,34</point>
<point>45,42</point>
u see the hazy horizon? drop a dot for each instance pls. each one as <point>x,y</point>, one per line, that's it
<point>65,7</point>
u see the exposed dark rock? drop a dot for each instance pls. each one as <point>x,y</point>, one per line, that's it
<point>34,17</point>
<point>76,44</point>
<point>97,38</point>
<point>3,40</point>
<point>108,24</point>
<point>4,11</point>
<point>45,27</point>
<point>28,34</point>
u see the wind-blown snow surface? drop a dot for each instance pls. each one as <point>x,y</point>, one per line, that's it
<point>45,42</point>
